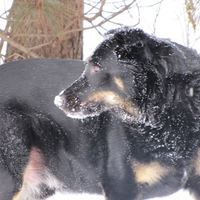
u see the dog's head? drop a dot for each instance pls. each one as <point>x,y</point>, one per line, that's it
<point>125,75</point>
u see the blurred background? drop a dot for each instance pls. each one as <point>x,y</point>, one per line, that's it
<point>73,28</point>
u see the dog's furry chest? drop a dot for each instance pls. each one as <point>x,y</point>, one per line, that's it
<point>172,147</point>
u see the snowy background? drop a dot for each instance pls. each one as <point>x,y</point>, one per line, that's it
<point>162,18</point>
<point>180,195</point>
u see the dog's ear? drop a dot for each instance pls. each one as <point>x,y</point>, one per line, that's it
<point>160,47</point>
<point>131,46</point>
<point>165,49</point>
<point>166,54</point>
<point>130,52</point>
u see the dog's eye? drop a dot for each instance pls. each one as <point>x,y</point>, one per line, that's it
<point>139,44</point>
<point>135,48</point>
<point>120,52</point>
<point>94,69</point>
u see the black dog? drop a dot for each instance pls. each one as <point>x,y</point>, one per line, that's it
<point>149,89</point>
<point>42,151</point>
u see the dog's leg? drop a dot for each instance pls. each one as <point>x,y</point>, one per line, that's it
<point>193,183</point>
<point>119,182</point>
<point>6,184</point>
<point>117,188</point>
<point>14,150</point>
<point>36,179</point>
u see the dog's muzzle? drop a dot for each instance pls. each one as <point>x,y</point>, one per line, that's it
<point>59,101</point>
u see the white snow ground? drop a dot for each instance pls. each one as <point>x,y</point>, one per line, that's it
<point>184,195</point>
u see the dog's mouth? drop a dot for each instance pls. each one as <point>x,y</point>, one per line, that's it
<point>74,108</point>
<point>92,108</point>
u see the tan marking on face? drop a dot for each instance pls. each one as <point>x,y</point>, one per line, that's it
<point>119,83</point>
<point>150,173</point>
<point>112,99</point>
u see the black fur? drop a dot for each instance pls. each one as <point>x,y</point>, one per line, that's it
<point>150,90</point>
<point>38,144</point>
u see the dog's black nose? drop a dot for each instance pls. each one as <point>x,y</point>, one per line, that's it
<point>59,101</point>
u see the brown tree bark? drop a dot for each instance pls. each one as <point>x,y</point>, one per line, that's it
<point>44,29</point>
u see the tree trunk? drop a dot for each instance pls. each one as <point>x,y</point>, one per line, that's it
<point>50,29</point>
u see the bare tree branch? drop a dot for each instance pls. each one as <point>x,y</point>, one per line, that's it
<point>109,18</point>
<point>47,29</point>
<point>3,36</point>
<point>157,15</point>
<point>97,14</point>
<point>113,14</point>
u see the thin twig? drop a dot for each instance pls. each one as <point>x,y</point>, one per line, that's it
<point>97,14</point>
<point>17,45</point>
<point>155,20</point>
<point>110,17</point>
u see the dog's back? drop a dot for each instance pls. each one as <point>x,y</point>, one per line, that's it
<point>41,150</point>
